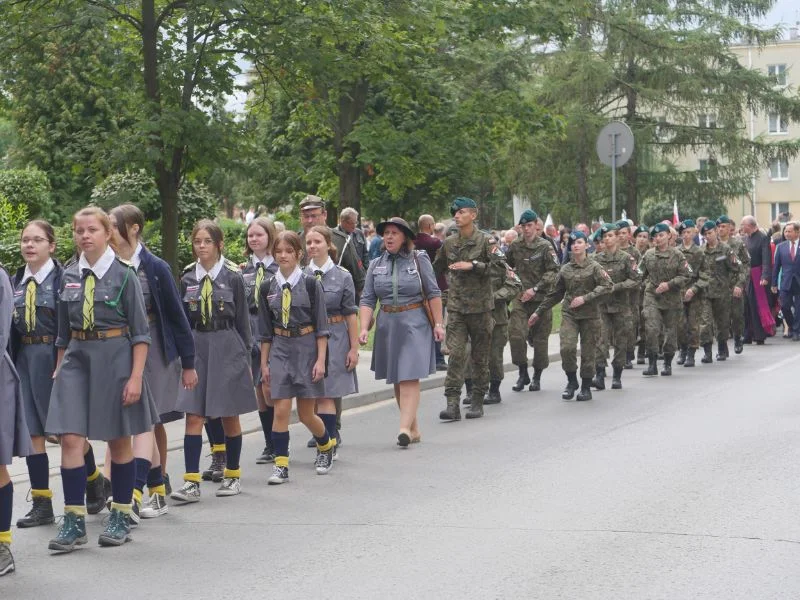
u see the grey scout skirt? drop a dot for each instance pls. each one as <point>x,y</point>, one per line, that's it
<point>162,377</point>
<point>14,437</point>
<point>35,365</point>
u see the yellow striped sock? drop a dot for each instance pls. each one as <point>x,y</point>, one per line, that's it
<point>281,461</point>
<point>5,537</point>
<point>218,448</point>
<point>137,496</point>
<point>160,490</point>
<point>94,475</point>
<point>324,448</point>
<point>75,510</point>
<point>192,477</point>
<point>123,508</point>
<point>42,493</point>
<point>232,473</point>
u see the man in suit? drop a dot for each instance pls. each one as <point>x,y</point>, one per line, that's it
<point>786,280</point>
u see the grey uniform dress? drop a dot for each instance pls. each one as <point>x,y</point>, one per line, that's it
<point>291,359</point>
<point>404,347</point>
<point>35,354</point>
<point>15,440</point>
<point>251,277</point>
<point>222,345</point>
<point>340,301</point>
<point>87,390</point>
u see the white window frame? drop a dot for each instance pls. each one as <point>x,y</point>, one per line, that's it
<point>779,170</point>
<point>703,170</point>
<point>777,124</point>
<point>707,121</point>
<point>778,73</point>
<point>777,208</point>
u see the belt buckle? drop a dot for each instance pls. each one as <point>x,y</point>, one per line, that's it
<point>294,331</point>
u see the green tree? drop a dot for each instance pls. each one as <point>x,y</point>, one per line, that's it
<point>29,188</point>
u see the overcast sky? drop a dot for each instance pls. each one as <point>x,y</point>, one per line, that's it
<point>786,12</point>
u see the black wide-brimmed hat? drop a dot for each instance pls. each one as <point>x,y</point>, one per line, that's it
<point>399,223</point>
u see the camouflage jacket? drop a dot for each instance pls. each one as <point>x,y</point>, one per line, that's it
<point>740,249</point>
<point>668,266</point>
<point>625,277</point>
<point>470,291</point>
<point>536,264</point>
<point>721,271</point>
<point>694,257</point>
<point>587,279</point>
<point>506,286</point>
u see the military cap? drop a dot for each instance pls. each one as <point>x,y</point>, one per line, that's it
<point>707,226</point>
<point>577,235</point>
<point>311,201</point>
<point>689,223</point>
<point>460,203</point>
<point>658,228</point>
<point>724,219</point>
<point>528,216</point>
<point>401,224</point>
<point>640,229</point>
<point>605,228</point>
<point>623,224</point>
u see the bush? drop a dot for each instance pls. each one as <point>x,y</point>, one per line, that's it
<point>29,188</point>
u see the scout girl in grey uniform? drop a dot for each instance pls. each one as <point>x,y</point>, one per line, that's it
<point>15,440</point>
<point>99,392</point>
<point>33,337</point>
<point>404,349</point>
<point>294,340</point>
<point>340,305</point>
<point>169,361</point>
<point>215,301</point>
<point>260,267</point>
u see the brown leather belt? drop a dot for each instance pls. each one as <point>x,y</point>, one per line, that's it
<point>398,309</point>
<point>99,334</point>
<point>293,332</point>
<point>38,339</point>
<point>335,319</point>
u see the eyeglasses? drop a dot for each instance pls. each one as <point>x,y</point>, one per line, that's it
<point>34,240</point>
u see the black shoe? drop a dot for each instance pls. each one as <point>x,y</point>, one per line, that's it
<point>167,484</point>
<point>616,379</point>
<point>41,513</point>
<point>523,379</point>
<point>493,397</point>
<point>267,456</point>
<point>536,384</point>
<point>681,356</point>
<point>629,356</point>
<point>586,390</point>
<point>599,380</point>
<point>71,534</point>
<point>6,559</point>
<point>722,351</point>
<point>97,493</point>
<point>117,531</point>
<point>760,342</point>
<point>452,412</point>
<point>707,359</point>
<point>737,345</point>
<point>312,443</point>
<point>572,386</point>
<point>690,357</point>
<point>442,366</point>
<point>667,370</point>
<point>652,366</point>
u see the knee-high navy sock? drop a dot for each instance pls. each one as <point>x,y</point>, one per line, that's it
<point>91,466</point>
<point>6,505</point>
<point>142,466</point>
<point>266,417</point>
<point>330,425</point>
<point>123,476</point>
<point>192,447</point>
<point>280,444</point>
<point>233,448</point>
<point>74,484</point>
<point>39,471</point>
<point>155,478</point>
<point>215,432</point>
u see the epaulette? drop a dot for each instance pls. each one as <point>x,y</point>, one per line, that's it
<point>232,266</point>
<point>189,267</point>
<point>341,268</point>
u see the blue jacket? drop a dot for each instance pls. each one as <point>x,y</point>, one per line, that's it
<point>176,333</point>
<point>786,270</point>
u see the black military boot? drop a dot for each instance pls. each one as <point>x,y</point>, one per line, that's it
<point>652,366</point>
<point>722,351</point>
<point>493,397</point>
<point>452,412</point>
<point>706,354</point>
<point>681,356</point>
<point>629,356</point>
<point>667,370</point>
<point>97,494</point>
<point>535,385</point>
<point>586,389</point>
<point>690,357</point>
<point>476,407</point>
<point>523,380</point>
<point>640,354</point>
<point>572,386</point>
<point>616,379</point>
<point>599,380</point>
<point>738,346</point>
<point>468,395</point>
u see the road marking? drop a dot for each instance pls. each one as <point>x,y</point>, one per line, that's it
<point>778,365</point>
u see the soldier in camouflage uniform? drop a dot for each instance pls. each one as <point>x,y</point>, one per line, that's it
<point>725,231</point>
<point>665,272</point>
<point>720,273</point>
<point>689,319</point>
<point>641,235</point>
<point>579,283</point>
<point>536,264</point>
<point>467,257</point>
<point>626,245</point>
<point>615,309</point>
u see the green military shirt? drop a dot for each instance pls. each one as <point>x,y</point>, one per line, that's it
<point>587,279</point>
<point>506,286</point>
<point>694,258</point>
<point>469,291</point>
<point>621,267</point>
<point>664,266</point>
<point>721,271</point>
<point>740,249</point>
<point>536,264</point>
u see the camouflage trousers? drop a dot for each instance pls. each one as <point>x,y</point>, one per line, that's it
<point>468,333</point>
<point>716,318</point>
<point>499,341</point>
<point>588,331</point>
<point>519,335</point>
<point>689,323</point>
<point>658,321</point>
<point>737,317</point>
<point>616,332</point>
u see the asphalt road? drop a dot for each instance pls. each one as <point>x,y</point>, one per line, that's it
<point>681,487</point>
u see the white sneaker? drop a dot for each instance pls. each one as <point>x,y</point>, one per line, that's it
<point>230,487</point>
<point>279,475</point>
<point>156,506</point>
<point>190,492</point>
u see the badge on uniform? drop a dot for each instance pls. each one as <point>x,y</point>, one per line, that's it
<point>412,271</point>
<point>193,305</point>
<point>192,288</point>
<point>381,270</point>
<point>72,286</point>
<point>221,305</point>
<point>16,315</point>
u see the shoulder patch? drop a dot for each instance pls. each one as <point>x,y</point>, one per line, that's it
<point>189,267</point>
<point>231,266</point>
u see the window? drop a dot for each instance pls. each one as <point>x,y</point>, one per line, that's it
<point>778,73</point>
<point>707,121</point>
<point>778,124</point>
<point>704,170</point>
<point>663,132</point>
<point>779,211</point>
<point>779,169</point>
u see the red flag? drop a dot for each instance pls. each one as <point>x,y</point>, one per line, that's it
<point>675,218</point>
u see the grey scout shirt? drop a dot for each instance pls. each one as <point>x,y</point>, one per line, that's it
<point>46,307</point>
<point>340,293</point>
<point>380,285</point>
<point>304,310</point>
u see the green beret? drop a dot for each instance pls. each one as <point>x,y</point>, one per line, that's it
<point>623,224</point>
<point>577,235</point>
<point>596,235</point>
<point>460,203</point>
<point>640,229</point>
<point>658,228</point>
<point>689,223</point>
<point>605,228</point>
<point>707,226</point>
<point>724,219</point>
<point>528,216</point>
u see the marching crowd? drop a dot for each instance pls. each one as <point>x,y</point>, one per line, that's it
<point>108,347</point>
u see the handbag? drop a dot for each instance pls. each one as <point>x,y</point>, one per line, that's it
<point>425,303</point>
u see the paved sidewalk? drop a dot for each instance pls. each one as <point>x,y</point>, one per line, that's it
<point>371,391</point>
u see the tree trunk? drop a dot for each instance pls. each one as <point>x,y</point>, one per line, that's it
<point>630,171</point>
<point>351,107</point>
